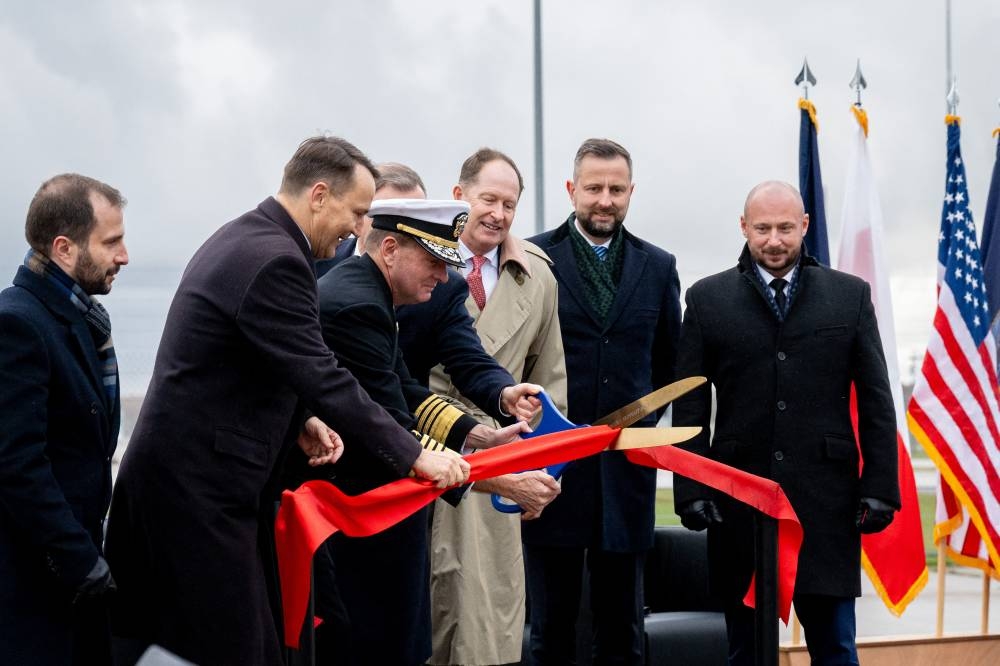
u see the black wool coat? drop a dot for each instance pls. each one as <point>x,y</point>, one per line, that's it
<point>783,412</point>
<point>58,430</point>
<point>242,353</point>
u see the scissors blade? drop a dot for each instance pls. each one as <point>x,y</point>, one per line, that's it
<point>649,403</point>
<point>645,438</point>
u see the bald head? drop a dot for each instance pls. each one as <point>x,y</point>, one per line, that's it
<point>774,223</point>
<point>772,190</point>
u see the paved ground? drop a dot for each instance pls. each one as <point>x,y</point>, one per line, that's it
<point>963,590</point>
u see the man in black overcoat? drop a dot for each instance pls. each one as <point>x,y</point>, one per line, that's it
<point>59,416</point>
<point>783,340</point>
<point>619,311</point>
<point>241,363</point>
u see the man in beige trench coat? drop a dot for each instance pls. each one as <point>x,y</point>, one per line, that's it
<point>477,573</point>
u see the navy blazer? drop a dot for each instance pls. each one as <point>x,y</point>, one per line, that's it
<point>344,251</point>
<point>57,435</point>
<point>359,325</point>
<point>606,501</point>
<point>441,332</point>
<point>242,352</point>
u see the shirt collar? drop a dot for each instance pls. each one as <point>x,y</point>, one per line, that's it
<point>467,254</point>
<point>767,277</point>
<point>579,229</point>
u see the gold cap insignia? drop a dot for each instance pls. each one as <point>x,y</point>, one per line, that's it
<point>459,223</point>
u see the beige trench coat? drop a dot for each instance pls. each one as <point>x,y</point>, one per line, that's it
<point>477,574</point>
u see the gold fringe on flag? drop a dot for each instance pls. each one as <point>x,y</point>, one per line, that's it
<point>808,106</point>
<point>861,116</point>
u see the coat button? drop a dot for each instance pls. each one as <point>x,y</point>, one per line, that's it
<point>781,405</point>
<point>781,356</point>
<point>93,408</point>
<point>779,456</point>
<point>604,381</point>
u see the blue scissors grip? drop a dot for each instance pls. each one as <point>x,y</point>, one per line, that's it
<point>552,421</point>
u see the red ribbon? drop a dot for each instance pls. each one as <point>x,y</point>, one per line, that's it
<point>317,510</point>
<point>762,494</point>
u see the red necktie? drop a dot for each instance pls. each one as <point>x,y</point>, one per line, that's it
<point>475,280</point>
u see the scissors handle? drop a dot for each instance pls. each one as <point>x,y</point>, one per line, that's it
<point>552,421</point>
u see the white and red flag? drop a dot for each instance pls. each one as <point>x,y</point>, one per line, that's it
<point>894,558</point>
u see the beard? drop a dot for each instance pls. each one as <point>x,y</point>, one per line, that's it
<point>786,261</point>
<point>600,229</point>
<point>92,278</point>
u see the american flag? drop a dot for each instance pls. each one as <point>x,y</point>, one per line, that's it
<point>954,408</point>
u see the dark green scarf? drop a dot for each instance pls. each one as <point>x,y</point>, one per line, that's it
<point>600,278</point>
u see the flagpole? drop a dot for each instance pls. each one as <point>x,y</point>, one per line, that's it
<point>539,143</point>
<point>984,626</point>
<point>951,99</point>
<point>939,627</point>
<point>949,72</point>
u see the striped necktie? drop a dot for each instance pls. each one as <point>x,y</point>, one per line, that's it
<point>601,252</point>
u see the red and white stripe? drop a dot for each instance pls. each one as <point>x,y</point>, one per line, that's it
<point>955,413</point>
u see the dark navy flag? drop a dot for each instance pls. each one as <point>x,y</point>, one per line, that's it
<point>811,184</point>
<point>991,240</point>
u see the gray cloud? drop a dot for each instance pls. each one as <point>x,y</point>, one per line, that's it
<point>192,108</point>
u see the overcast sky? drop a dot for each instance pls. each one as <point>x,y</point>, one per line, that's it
<point>192,108</point>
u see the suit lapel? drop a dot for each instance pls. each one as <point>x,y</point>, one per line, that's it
<point>87,351</point>
<point>62,309</point>
<point>565,268</point>
<point>633,265</point>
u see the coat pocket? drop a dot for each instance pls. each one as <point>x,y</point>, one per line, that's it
<point>831,331</point>
<point>242,446</point>
<point>840,448</point>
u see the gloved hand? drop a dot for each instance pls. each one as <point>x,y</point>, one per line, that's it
<point>699,514</point>
<point>874,515</point>
<point>97,583</point>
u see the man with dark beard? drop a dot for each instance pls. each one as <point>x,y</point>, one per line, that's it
<point>59,416</point>
<point>619,310</point>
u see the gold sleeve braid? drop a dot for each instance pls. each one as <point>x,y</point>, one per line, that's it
<point>429,443</point>
<point>435,417</point>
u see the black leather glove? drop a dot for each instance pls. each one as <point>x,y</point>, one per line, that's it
<point>874,515</point>
<point>699,514</point>
<point>97,583</point>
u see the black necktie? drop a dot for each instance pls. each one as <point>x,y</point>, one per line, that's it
<point>778,284</point>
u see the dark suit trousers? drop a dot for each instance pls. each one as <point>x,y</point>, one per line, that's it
<point>828,622</point>
<point>554,577</point>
